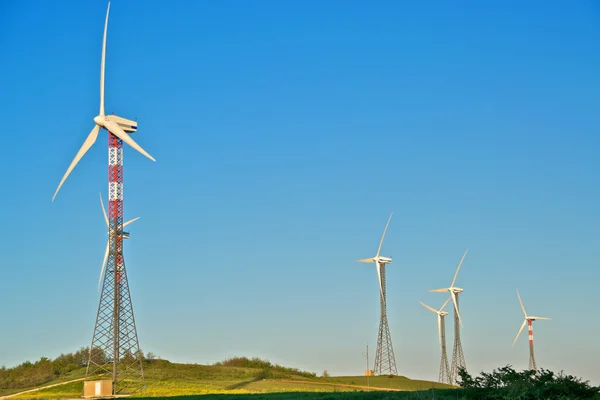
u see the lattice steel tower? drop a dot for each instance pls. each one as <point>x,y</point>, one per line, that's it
<point>444,367</point>
<point>115,348</point>
<point>458,358</point>
<point>385,361</point>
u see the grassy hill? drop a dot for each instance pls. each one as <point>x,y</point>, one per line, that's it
<point>240,377</point>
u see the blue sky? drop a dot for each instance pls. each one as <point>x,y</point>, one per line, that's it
<point>285,133</point>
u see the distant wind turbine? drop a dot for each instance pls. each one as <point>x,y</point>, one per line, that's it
<point>444,367</point>
<point>385,362</point>
<point>529,321</point>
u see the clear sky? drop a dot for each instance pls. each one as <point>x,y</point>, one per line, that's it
<point>285,132</point>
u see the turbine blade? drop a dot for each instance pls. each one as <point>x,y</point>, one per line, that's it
<point>116,130</point>
<point>130,221</point>
<point>520,330</point>
<point>383,236</point>
<point>456,308</point>
<point>104,211</point>
<point>366,260</point>
<point>444,290</point>
<point>458,269</point>
<point>103,263</point>
<point>444,305</point>
<point>89,141</point>
<point>102,63</point>
<point>542,318</point>
<point>522,307</point>
<point>429,308</point>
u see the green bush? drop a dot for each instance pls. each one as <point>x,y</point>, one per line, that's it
<point>244,362</point>
<point>506,383</point>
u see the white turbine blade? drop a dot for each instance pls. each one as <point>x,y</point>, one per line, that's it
<point>103,211</point>
<point>116,130</point>
<point>383,236</point>
<point>102,63</point>
<point>378,266</point>
<point>89,141</point>
<point>439,329</point>
<point>458,269</point>
<point>522,307</point>
<point>456,308</point>
<point>444,290</point>
<point>520,330</point>
<point>130,221</point>
<point>542,318</point>
<point>429,308</point>
<point>366,260</point>
<point>103,263</point>
<point>444,305</point>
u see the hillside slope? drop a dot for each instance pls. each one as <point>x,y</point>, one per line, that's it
<point>164,379</point>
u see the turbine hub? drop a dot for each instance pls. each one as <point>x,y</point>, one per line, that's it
<point>99,120</point>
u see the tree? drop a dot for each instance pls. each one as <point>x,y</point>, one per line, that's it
<point>325,374</point>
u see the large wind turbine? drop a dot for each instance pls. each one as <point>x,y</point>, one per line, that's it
<point>444,368</point>
<point>117,126</point>
<point>385,362</point>
<point>529,321</point>
<point>458,358</point>
<point>115,348</point>
<point>125,236</point>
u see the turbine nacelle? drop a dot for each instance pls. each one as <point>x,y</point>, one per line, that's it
<point>378,260</point>
<point>126,125</point>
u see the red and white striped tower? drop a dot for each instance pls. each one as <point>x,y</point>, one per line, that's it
<point>532,364</point>
<point>115,347</point>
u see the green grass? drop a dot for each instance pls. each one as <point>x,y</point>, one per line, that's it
<point>188,381</point>
<point>397,382</point>
<point>78,373</point>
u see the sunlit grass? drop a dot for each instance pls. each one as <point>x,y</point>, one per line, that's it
<point>164,379</point>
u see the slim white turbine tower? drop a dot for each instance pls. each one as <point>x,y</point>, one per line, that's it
<point>458,358</point>
<point>385,362</point>
<point>529,321</point>
<point>444,368</point>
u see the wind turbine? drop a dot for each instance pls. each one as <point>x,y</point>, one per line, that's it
<point>118,126</point>
<point>529,321</point>
<point>125,236</point>
<point>115,332</point>
<point>385,362</point>
<point>458,358</point>
<point>444,368</point>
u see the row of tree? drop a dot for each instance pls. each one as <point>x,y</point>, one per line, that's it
<point>44,370</point>
<point>506,383</point>
<point>266,366</point>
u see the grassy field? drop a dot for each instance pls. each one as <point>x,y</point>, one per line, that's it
<point>187,381</point>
